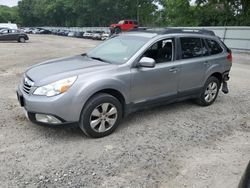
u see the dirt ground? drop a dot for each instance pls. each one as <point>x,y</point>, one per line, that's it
<point>178,145</point>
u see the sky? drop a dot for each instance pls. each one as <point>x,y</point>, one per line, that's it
<point>9,3</point>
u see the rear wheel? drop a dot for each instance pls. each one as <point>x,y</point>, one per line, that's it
<point>21,39</point>
<point>209,92</point>
<point>101,115</point>
<point>118,30</point>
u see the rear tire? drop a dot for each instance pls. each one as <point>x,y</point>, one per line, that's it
<point>101,115</point>
<point>209,92</point>
<point>118,30</point>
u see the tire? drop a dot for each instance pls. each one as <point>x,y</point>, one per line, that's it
<point>22,40</point>
<point>118,30</point>
<point>209,92</point>
<point>104,112</point>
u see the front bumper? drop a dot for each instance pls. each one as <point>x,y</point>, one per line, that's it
<point>55,110</point>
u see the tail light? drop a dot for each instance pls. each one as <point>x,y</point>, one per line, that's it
<point>229,56</point>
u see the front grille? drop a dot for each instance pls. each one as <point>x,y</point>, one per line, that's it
<point>27,84</point>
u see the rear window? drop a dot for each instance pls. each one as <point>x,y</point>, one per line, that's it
<point>191,47</point>
<point>213,47</point>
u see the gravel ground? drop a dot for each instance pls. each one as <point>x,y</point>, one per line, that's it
<point>178,145</point>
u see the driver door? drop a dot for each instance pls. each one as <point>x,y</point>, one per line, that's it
<point>160,82</point>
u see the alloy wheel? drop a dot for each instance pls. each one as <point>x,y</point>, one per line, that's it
<point>103,117</point>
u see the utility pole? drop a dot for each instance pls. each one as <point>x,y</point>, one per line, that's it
<point>138,11</point>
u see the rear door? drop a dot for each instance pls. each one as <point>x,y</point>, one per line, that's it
<point>193,60</point>
<point>126,26</point>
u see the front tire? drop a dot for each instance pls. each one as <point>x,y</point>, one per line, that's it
<point>209,92</point>
<point>101,115</point>
<point>22,40</point>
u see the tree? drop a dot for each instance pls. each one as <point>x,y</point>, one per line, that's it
<point>8,14</point>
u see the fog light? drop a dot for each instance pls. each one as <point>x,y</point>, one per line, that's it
<point>43,118</point>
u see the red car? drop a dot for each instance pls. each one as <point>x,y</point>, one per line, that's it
<point>123,25</point>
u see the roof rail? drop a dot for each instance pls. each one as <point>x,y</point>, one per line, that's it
<point>188,30</point>
<point>174,30</point>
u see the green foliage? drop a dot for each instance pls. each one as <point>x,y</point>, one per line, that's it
<point>8,14</point>
<point>84,12</point>
<point>104,12</point>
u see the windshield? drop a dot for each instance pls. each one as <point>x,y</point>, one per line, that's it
<point>118,50</point>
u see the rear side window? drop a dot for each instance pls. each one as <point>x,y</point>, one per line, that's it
<point>126,22</point>
<point>191,47</point>
<point>213,47</point>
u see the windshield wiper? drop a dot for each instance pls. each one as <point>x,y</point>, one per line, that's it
<point>99,59</point>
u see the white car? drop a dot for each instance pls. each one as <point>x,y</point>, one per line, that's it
<point>105,36</point>
<point>71,34</point>
<point>88,35</point>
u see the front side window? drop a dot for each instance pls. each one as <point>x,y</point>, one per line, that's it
<point>118,50</point>
<point>213,47</point>
<point>191,47</point>
<point>161,51</point>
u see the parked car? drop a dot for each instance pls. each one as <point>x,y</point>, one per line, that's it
<point>123,25</point>
<point>88,35</point>
<point>105,36</point>
<point>71,34</point>
<point>245,180</point>
<point>97,35</point>
<point>44,31</point>
<point>13,35</point>
<point>63,32</point>
<point>79,34</point>
<point>128,72</point>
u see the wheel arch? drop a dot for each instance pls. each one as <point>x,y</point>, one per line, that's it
<point>113,92</point>
<point>217,75</point>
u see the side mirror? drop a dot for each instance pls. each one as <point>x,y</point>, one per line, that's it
<point>147,62</point>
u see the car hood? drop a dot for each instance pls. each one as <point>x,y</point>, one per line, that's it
<point>63,68</point>
<point>115,25</point>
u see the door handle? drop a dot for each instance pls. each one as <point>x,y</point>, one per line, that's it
<point>174,69</point>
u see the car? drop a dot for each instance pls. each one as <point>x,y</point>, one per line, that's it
<point>245,180</point>
<point>123,25</point>
<point>126,73</point>
<point>88,35</point>
<point>97,35</point>
<point>71,34</point>
<point>105,36</point>
<point>13,35</point>
<point>79,34</point>
<point>44,31</point>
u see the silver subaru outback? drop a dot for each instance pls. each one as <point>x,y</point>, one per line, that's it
<point>131,71</point>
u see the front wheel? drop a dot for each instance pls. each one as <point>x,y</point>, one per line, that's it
<point>209,92</point>
<point>22,40</point>
<point>101,115</point>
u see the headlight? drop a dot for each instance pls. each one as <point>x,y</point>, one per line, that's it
<point>55,88</point>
